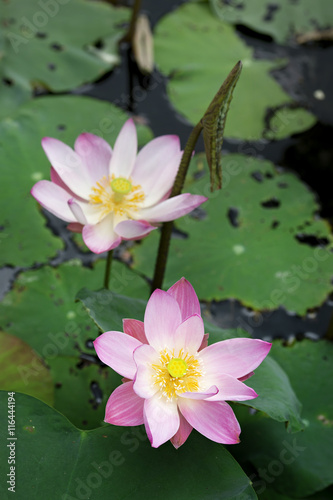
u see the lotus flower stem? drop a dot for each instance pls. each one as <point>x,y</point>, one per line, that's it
<point>185,161</point>
<point>108,269</point>
<point>166,231</point>
<point>130,33</point>
<point>212,124</point>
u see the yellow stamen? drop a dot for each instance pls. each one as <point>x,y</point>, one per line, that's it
<point>117,195</point>
<point>176,374</point>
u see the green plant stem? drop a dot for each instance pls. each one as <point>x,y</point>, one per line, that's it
<point>185,161</point>
<point>163,249</point>
<point>130,33</point>
<point>108,269</point>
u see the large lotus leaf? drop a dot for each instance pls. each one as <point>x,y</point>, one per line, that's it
<point>300,464</point>
<point>50,43</point>
<point>41,308</point>
<point>284,120</point>
<point>108,309</point>
<point>12,95</point>
<point>276,396</point>
<point>254,242</point>
<point>200,57</point>
<point>22,370</point>
<point>82,388</point>
<point>280,20</point>
<point>24,239</point>
<point>112,462</point>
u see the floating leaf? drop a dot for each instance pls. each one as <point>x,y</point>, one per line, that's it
<point>41,310</point>
<point>91,464</point>
<point>284,121</point>
<point>82,388</point>
<point>295,465</point>
<point>108,309</point>
<point>24,239</point>
<point>214,122</point>
<point>44,48</point>
<point>281,20</point>
<point>12,95</point>
<point>199,57</point>
<point>258,240</point>
<point>22,370</point>
<point>276,395</point>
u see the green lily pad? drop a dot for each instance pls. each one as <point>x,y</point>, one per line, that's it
<point>296,465</point>
<point>254,241</point>
<point>43,47</point>
<point>280,20</point>
<point>90,464</point>
<point>276,396</point>
<point>91,384</point>
<point>22,370</point>
<point>200,57</point>
<point>284,120</point>
<point>107,309</point>
<point>12,95</point>
<point>24,239</point>
<point>41,310</point>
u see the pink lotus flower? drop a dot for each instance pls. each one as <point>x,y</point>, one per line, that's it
<point>113,195</point>
<point>173,381</point>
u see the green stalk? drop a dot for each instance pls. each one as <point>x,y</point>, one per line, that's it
<point>130,33</point>
<point>108,269</point>
<point>212,124</point>
<point>163,249</point>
